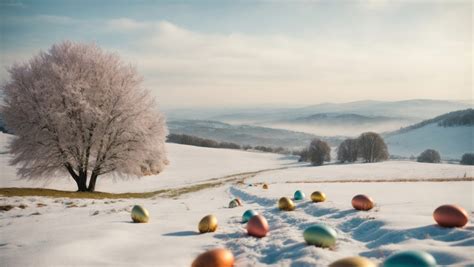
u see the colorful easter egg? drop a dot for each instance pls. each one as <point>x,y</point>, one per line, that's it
<point>353,262</point>
<point>248,214</point>
<point>239,201</point>
<point>208,224</point>
<point>233,204</point>
<point>220,257</point>
<point>450,216</point>
<point>318,196</point>
<point>410,258</point>
<point>320,235</point>
<point>362,202</point>
<point>140,214</point>
<point>286,204</point>
<point>257,226</point>
<point>299,195</point>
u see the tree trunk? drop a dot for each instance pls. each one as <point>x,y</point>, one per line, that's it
<point>81,184</point>
<point>92,182</point>
<point>81,179</point>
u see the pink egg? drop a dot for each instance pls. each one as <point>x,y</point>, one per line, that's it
<point>362,202</point>
<point>450,216</point>
<point>257,226</point>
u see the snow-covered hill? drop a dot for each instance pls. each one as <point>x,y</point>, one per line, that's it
<point>452,134</point>
<point>42,231</point>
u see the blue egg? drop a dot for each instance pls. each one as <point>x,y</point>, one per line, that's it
<point>299,195</point>
<point>410,258</point>
<point>248,214</point>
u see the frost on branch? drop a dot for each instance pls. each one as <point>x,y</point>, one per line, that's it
<point>79,110</point>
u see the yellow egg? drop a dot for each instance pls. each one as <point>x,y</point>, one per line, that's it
<point>318,196</point>
<point>286,204</point>
<point>208,224</point>
<point>353,262</point>
<point>140,214</point>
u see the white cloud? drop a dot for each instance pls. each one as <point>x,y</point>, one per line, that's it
<point>192,68</point>
<point>126,24</point>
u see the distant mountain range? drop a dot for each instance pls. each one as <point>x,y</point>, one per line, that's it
<point>246,134</point>
<point>329,119</point>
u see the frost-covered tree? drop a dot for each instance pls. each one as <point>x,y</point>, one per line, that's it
<point>429,156</point>
<point>347,151</point>
<point>319,152</point>
<point>79,110</point>
<point>372,147</point>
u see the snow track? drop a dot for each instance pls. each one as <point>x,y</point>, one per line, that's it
<point>359,233</point>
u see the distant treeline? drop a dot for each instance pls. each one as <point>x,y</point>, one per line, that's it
<point>185,139</point>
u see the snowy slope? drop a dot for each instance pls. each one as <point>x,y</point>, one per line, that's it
<point>188,164</point>
<point>451,142</point>
<point>86,232</point>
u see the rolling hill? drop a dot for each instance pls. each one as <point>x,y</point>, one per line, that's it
<point>452,134</point>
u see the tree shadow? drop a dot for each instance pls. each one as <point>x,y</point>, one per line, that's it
<point>182,233</point>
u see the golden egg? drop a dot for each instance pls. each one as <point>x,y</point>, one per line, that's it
<point>220,257</point>
<point>286,204</point>
<point>265,186</point>
<point>208,224</point>
<point>318,196</point>
<point>353,262</point>
<point>140,214</point>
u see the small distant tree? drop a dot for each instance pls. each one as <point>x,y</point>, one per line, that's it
<point>467,159</point>
<point>304,155</point>
<point>372,147</point>
<point>81,111</point>
<point>347,151</point>
<point>429,156</point>
<point>319,152</point>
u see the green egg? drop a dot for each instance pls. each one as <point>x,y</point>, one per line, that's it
<point>140,214</point>
<point>320,235</point>
<point>410,258</point>
<point>299,195</point>
<point>248,214</point>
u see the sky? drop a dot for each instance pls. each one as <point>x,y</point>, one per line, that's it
<point>260,53</point>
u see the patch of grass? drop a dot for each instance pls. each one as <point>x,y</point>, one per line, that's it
<point>169,193</point>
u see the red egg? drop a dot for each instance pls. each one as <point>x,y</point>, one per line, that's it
<point>219,257</point>
<point>257,226</point>
<point>362,202</point>
<point>450,216</point>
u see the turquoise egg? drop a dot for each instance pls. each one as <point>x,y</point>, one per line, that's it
<point>299,195</point>
<point>248,214</point>
<point>410,258</point>
<point>320,235</point>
